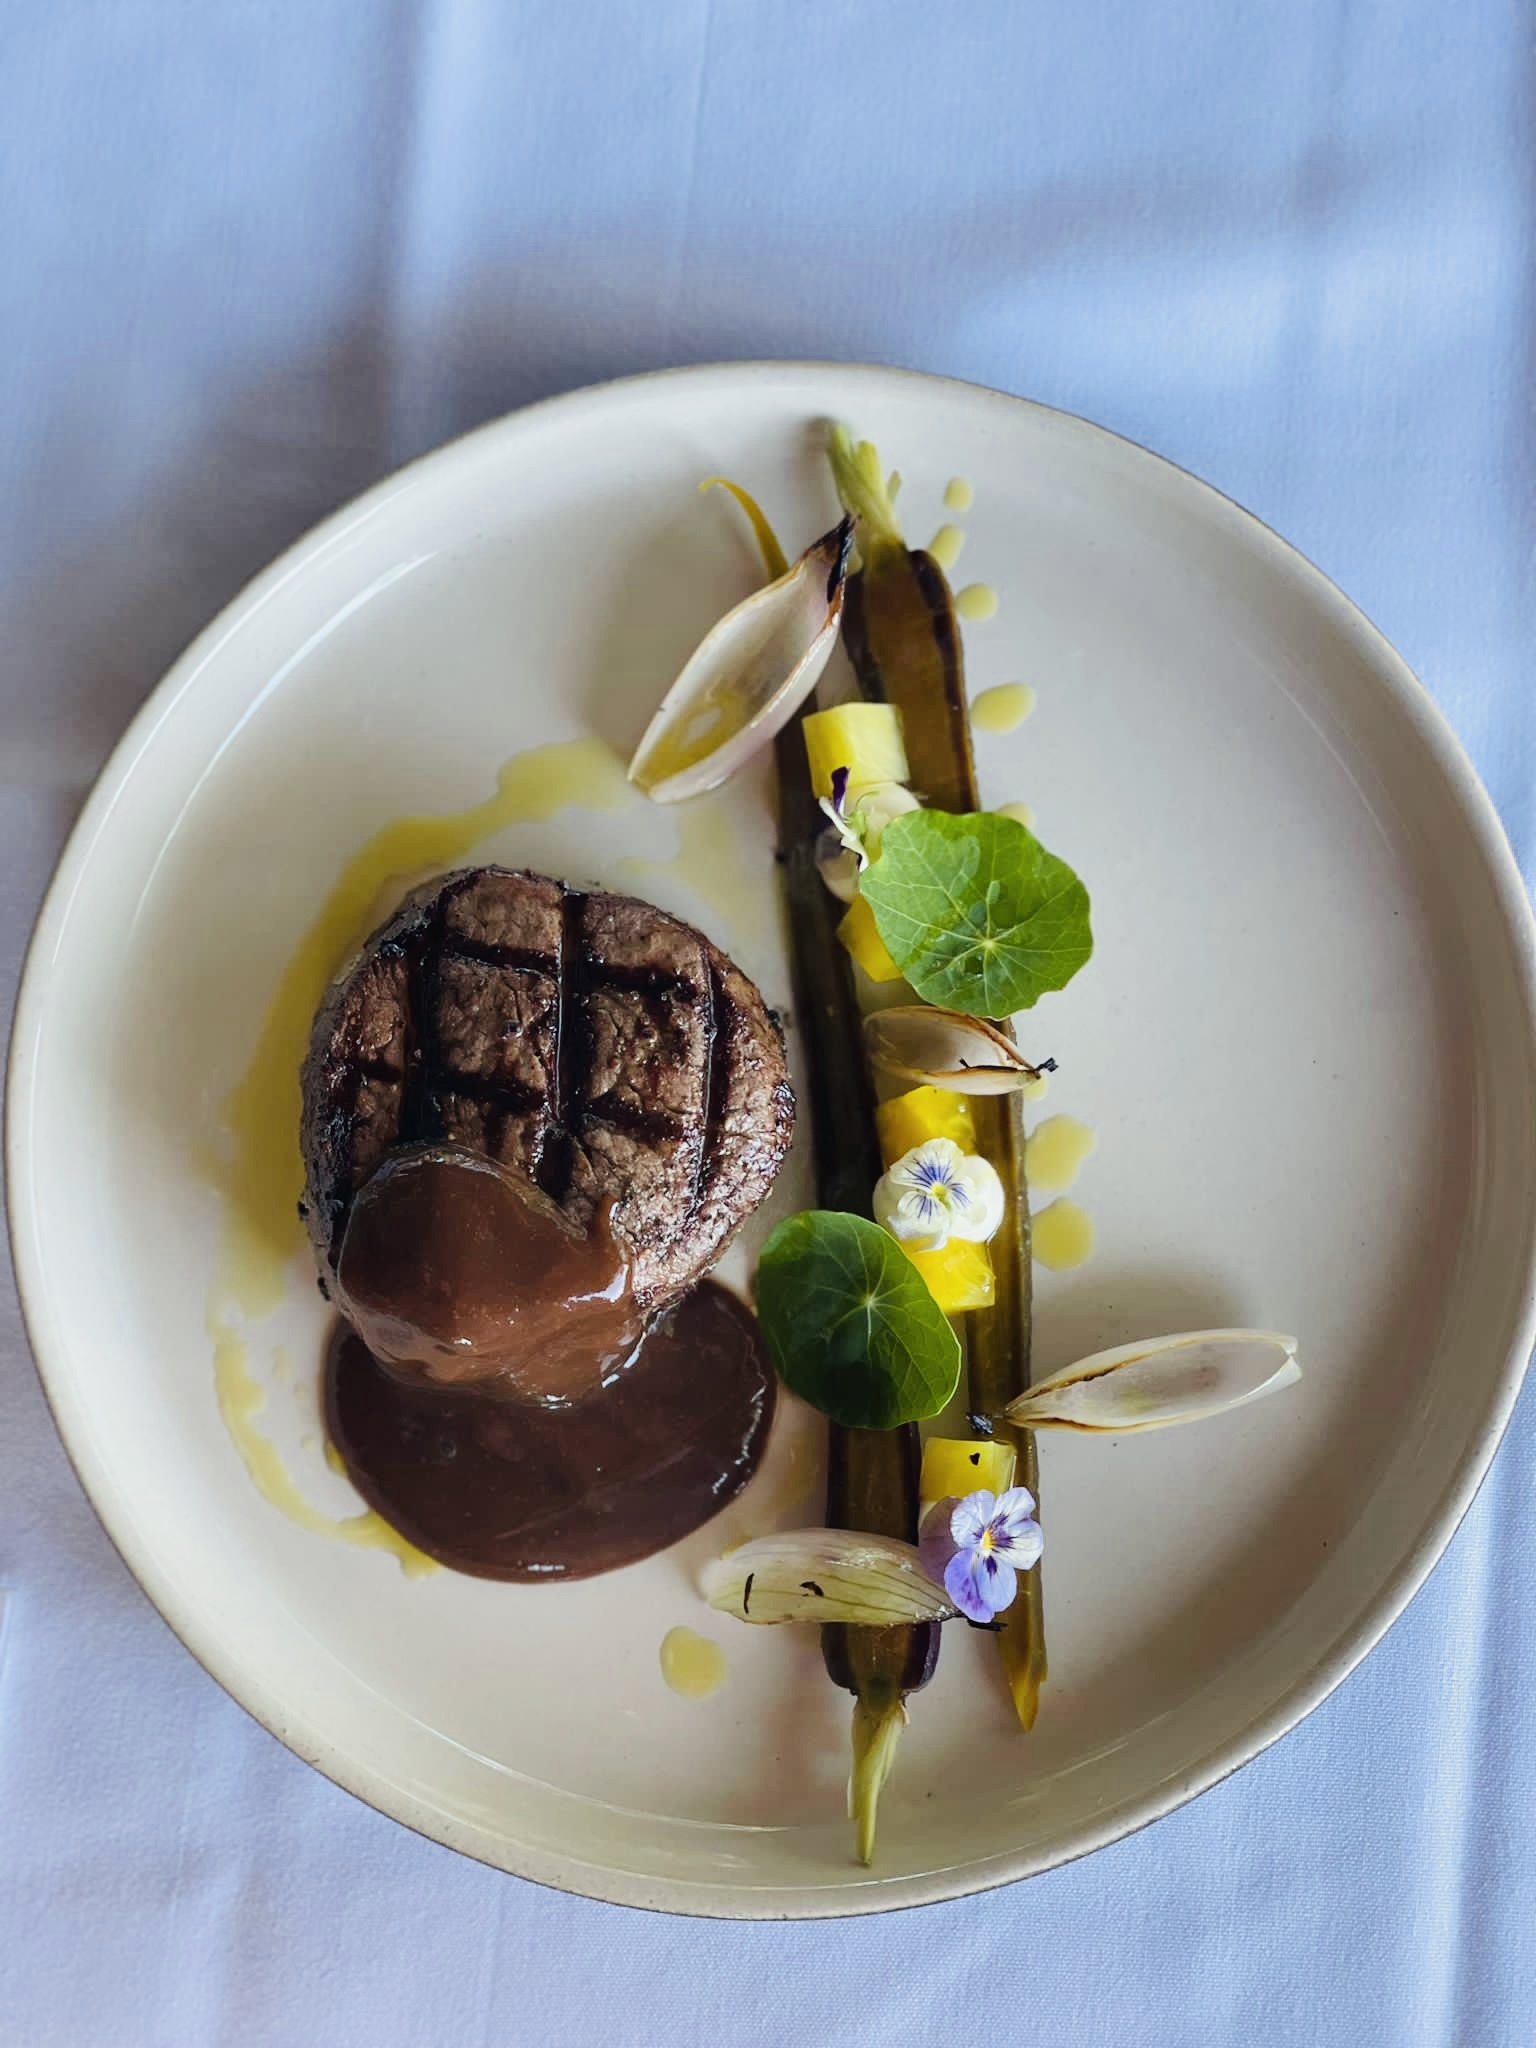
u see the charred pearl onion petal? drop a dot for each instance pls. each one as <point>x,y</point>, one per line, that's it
<point>936,1192</point>
<point>748,677</point>
<point>1160,1381</point>
<point>826,1575</point>
<point>966,1054</point>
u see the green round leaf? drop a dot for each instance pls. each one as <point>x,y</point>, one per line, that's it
<point>850,1324</point>
<point>975,912</point>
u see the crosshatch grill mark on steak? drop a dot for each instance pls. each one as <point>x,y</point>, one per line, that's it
<point>600,1045</point>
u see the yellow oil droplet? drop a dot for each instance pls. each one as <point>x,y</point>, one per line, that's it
<point>958,495</point>
<point>1034,1091</point>
<point>1002,708</point>
<point>976,601</point>
<point>1063,1236</point>
<point>241,1398</point>
<point>1022,814</point>
<point>691,1664</point>
<point>946,545</point>
<point>708,861</point>
<point>1054,1152</point>
<point>262,1175</point>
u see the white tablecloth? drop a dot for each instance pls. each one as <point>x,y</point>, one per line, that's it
<point>253,253</point>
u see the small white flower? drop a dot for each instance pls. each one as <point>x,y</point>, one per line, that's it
<point>936,1192</point>
<point>858,820</point>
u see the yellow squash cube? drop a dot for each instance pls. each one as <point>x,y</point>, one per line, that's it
<point>959,1275</point>
<point>923,1113</point>
<point>861,936</point>
<point>863,738</point>
<point>959,1465</point>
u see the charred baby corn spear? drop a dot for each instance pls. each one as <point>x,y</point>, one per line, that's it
<point>872,1474</point>
<point>903,639</point>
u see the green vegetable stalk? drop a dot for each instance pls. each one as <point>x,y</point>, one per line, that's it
<point>900,629</point>
<point>872,1476</point>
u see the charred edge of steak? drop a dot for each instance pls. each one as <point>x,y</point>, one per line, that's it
<point>691,1169</point>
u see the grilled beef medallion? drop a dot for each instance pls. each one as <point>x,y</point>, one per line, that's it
<point>591,1042</point>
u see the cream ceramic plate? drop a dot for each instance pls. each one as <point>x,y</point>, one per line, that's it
<point>1305,1043</point>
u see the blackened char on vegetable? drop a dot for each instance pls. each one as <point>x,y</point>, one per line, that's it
<point>605,1048</point>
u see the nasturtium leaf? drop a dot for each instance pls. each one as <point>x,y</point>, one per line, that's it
<point>850,1324</point>
<point>975,912</point>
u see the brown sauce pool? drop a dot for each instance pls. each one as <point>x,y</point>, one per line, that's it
<point>507,1489</point>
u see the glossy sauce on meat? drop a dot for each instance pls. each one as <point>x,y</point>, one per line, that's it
<point>457,1272</point>
<point>509,1489</point>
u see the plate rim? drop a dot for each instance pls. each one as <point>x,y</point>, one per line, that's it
<point>571,1875</point>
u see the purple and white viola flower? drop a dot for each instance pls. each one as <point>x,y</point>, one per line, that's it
<point>976,1547</point>
<point>936,1192</point>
